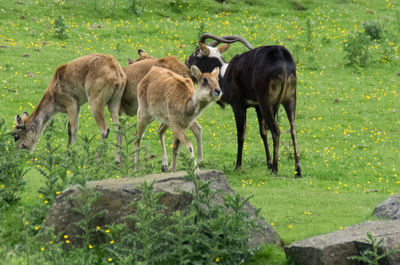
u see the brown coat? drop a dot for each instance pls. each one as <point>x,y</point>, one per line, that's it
<point>172,99</point>
<point>135,73</point>
<point>95,78</point>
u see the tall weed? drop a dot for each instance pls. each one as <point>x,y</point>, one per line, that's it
<point>357,48</point>
<point>12,169</point>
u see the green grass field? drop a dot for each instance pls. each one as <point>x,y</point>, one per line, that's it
<point>347,115</point>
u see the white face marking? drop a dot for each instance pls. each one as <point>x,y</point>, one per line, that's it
<point>214,52</point>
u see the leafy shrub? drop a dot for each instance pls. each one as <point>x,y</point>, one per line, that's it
<point>357,48</point>
<point>204,234</point>
<point>60,28</point>
<point>12,169</point>
<point>373,29</point>
<point>47,164</point>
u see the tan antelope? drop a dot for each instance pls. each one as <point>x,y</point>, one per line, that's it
<point>96,78</point>
<point>172,99</point>
<point>135,72</point>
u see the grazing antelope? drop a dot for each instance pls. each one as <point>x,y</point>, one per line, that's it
<point>172,99</point>
<point>264,78</point>
<point>96,78</point>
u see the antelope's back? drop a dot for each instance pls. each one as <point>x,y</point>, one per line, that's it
<point>253,70</point>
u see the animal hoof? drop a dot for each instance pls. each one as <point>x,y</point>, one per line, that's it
<point>200,164</point>
<point>164,168</point>
<point>298,174</point>
<point>105,135</point>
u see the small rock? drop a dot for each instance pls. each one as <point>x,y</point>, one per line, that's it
<point>389,209</point>
<point>335,248</point>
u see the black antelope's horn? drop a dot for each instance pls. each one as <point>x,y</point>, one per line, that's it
<point>230,39</point>
<point>210,36</point>
<point>224,39</point>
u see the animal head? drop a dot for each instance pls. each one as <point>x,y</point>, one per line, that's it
<point>142,56</point>
<point>207,57</point>
<point>24,136</point>
<point>207,84</point>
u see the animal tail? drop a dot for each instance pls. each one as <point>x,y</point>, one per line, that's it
<point>287,81</point>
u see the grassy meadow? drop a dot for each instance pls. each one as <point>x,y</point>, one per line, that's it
<point>348,91</point>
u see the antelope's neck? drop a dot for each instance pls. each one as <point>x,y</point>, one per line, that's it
<point>198,104</point>
<point>42,114</point>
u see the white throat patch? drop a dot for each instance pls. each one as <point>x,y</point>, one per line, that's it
<point>223,69</point>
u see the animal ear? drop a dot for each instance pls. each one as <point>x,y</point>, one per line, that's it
<point>204,50</point>
<point>223,48</point>
<point>215,72</point>
<point>141,52</point>
<point>25,116</point>
<point>131,61</point>
<point>18,120</point>
<point>195,71</point>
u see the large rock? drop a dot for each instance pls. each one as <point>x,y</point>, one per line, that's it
<point>389,209</point>
<point>335,247</point>
<point>117,195</point>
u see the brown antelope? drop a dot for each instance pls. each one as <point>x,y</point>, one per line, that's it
<point>135,72</point>
<point>172,99</point>
<point>96,78</point>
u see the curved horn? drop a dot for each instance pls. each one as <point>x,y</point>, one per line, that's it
<point>231,39</point>
<point>210,36</point>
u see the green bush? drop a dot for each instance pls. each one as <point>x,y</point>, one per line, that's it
<point>357,48</point>
<point>373,29</point>
<point>12,169</point>
<point>60,28</point>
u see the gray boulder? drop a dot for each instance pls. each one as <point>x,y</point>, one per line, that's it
<point>335,247</point>
<point>389,209</point>
<point>117,195</point>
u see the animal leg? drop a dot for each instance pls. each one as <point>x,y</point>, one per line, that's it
<point>161,131</point>
<point>97,106</point>
<point>180,134</point>
<point>175,148</point>
<point>290,108</point>
<point>263,133</point>
<point>269,118</point>
<point>114,112</point>
<point>143,120</point>
<point>196,129</point>
<point>73,116</point>
<point>240,118</point>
